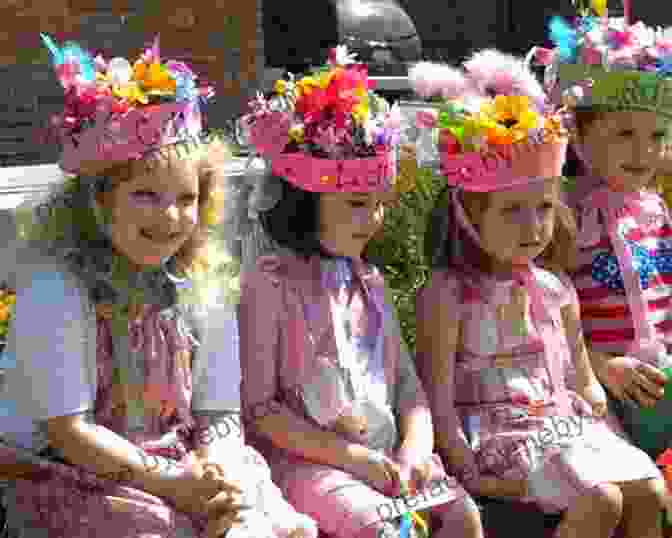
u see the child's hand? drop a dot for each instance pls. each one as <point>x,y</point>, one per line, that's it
<point>223,511</point>
<point>379,471</point>
<point>594,394</point>
<point>631,380</point>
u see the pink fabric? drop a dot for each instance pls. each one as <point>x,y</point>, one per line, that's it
<point>615,206</point>
<point>287,333</point>
<point>509,166</point>
<point>72,502</point>
<point>314,174</point>
<point>488,409</point>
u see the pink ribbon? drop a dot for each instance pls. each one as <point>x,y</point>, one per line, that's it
<point>538,311</point>
<point>425,119</point>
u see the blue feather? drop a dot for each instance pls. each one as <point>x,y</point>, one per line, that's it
<point>564,38</point>
<point>56,53</point>
<point>405,527</point>
<point>74,53</point>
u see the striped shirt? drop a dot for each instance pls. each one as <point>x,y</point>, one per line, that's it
<point>605,312</point>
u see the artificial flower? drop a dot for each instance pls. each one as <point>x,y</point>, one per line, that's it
<point>340,56</point>
<point>131,92</point>
<point>280,87</point>
<point>154,78</point>
<point>296,134</point>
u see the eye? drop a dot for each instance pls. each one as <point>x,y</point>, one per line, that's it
<point>144,194</point>
<point>626,133</point>
<point>547,206</point>
<point>659,135</point>
<point>357,203</point>
<point>515,208</point>
<point>188,199</point>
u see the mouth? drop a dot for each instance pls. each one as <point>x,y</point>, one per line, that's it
<point>160,239</point>
<point>535,244</point>
<point>636,170</point>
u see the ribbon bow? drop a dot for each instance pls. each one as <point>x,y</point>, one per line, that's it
<point>605,268</point>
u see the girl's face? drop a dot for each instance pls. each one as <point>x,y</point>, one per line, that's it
<point>625,147</point>
<point>154,213</point>
<point>518,224</point>
<point>349,220</point>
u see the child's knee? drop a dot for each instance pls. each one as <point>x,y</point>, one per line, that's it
<point>646,493</point>
<point>605,500</point>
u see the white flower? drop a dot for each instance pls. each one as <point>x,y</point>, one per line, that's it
<point>645,36</point>
<point>342,57</point>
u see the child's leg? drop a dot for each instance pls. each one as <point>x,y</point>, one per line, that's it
<point>643,501</point>
<point>594,514</point>
<point>461,518</point>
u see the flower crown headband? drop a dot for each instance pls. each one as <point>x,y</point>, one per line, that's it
<point>607,63</point>
<point>488,124</point>
<point>328,131</point>
<point>118,111</point>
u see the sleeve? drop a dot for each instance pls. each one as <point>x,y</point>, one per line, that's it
<point>259,315</point>
<point>216,373</point>
<point>438,310</point>
<point>52,375</point>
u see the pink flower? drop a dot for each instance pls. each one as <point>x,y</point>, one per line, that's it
<point>544,56</point>
<point>621,39</point>
<point>394,118</point>
<point>269,133</point>
<point>591,56</point>
<point>67,74</point>
<point>425,119</point>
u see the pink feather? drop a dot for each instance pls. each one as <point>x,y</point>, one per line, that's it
<point>433,80</point>
<point>494,72</point>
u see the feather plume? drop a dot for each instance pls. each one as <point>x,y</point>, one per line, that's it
<point>564,37</point>
<point>494,72</point>
<point>437,80</point>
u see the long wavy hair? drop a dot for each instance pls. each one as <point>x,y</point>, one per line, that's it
<point>68,219</point>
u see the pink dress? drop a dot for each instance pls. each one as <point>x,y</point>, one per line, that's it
<point>302,357</point>
<point>510,413</point>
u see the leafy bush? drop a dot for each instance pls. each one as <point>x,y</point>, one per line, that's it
<point>399,250</point>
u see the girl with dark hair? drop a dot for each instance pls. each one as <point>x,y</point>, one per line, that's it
<point>330,394</point>
<point>495,331</point>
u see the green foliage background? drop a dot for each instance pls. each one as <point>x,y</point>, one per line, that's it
<point>399,251</point>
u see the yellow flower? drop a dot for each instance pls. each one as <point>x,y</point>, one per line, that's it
<point>325,79</point>
<point>131,92</point>
<point>11,299</point>
<point>306,84</point>
<point>4,312</point>
<point>513,116</point>
<point>280,86</point>
<point>599,6</point>
<point>360,113</point>
<point>296,134</point>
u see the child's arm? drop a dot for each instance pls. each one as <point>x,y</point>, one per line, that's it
<point>109,455</point>
<point>587,384</point>
<point>437,342</point>
<point>263,411</point>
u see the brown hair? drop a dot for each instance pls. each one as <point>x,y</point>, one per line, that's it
<point>208,163</point>
<point>584,118</point>
<point>560,252</point>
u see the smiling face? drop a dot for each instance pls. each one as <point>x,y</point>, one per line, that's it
<point>625,147</point>
<point>518,223</point>
<point>154,212</point>
<point>349,220</point>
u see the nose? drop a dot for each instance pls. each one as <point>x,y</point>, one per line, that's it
<point>643,150</point>
<point>530,224</point>
<point>172,213</point>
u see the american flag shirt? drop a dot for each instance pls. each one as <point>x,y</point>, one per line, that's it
<point>644,225</point>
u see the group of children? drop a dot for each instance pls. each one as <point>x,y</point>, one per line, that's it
<point>168,393</point>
